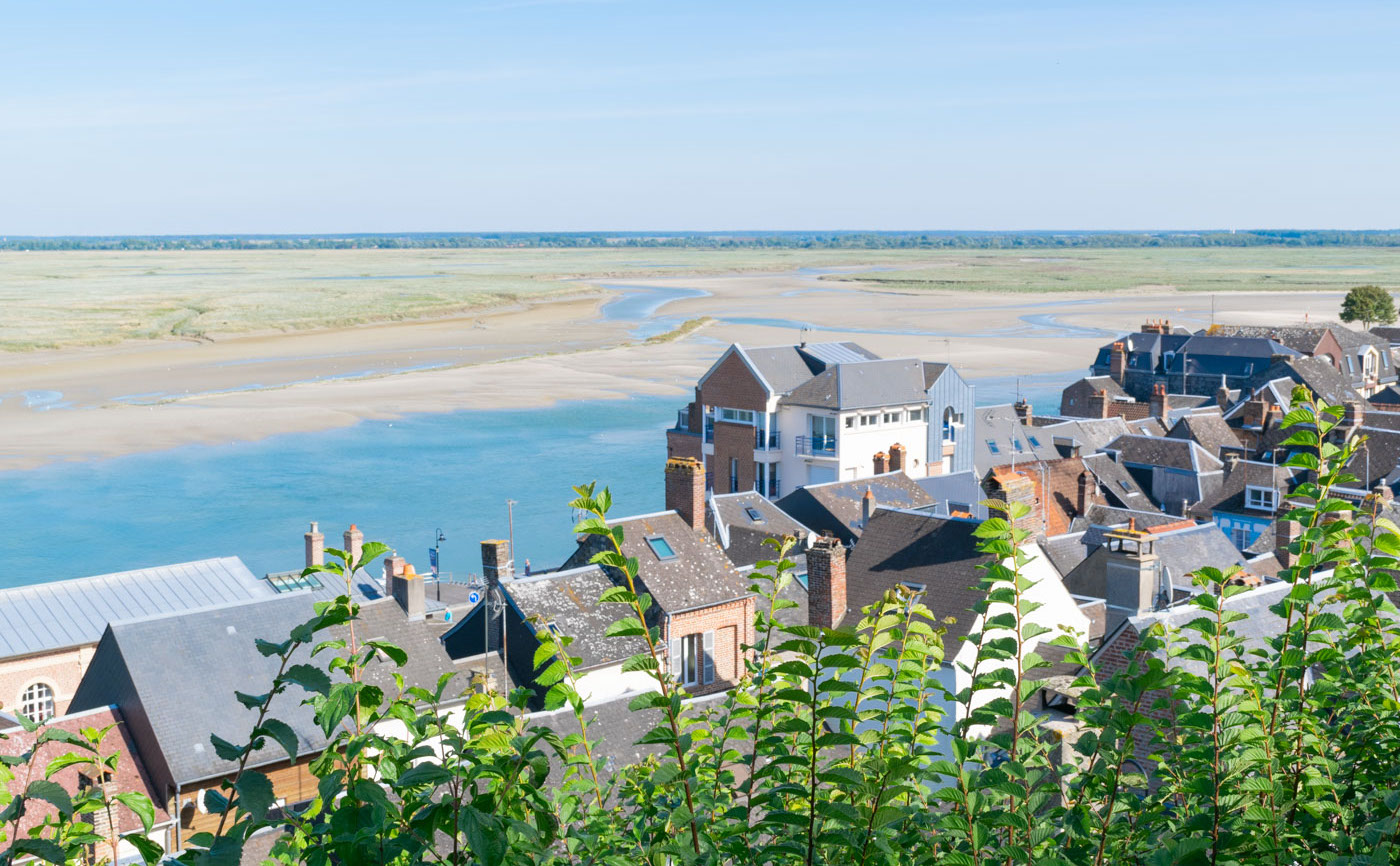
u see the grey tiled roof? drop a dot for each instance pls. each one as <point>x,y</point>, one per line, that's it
<point>698,576</point>
<point>1377,458</point>
<point>48,616</point>
<point>1318,375</point>
<point>941,554</point>
<point>863,385</point>
<point>1231,495</point>
<point>1118,483</point>
<point>1102,518</point>
<point>569,600</point>
<point>1091,434</point>
<point>1065,552</point>
<point>962,489</point>
<point>835,507</point>
<point>1180,454</point>
<point>844,352</point>
<point>782,367</point>
<point>1002,426</point>
<point>1207,429</point>
<point>174,677</point>
<point>1299,338</point>
<point>1387,396</point>
<point>745,535</point>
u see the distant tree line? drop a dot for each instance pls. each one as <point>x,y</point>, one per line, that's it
<point>719,240</point>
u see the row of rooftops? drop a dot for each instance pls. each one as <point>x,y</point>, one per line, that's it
<point>840,376</point>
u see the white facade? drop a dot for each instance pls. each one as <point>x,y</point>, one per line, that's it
<point>821,445</point>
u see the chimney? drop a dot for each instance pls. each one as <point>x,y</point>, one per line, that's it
<point>1253,414</point>
<point>826,582</point>
<point>315,546</point>
<point>1353,413</point>
<point>495,559</point>
<point>1384,494</point>
<point>867,507</point>
<point>1117,362</point>
<point>685,491</point>
<point>1158,406</point>
<point>1085,496</point>
<point>393,567</point>
<point>1132,573</point>
<point>1098,405</point>
<point>1222,396</point>
<point>1157,326</point>
<point>354,542</point>
<point>899,457</point>
<point>1286,532</point>
<point>882,463</point>
<point>407,590</point>
<point>1023,410</point>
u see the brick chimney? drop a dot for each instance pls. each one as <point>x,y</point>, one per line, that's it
<point>867,507</point>
<point>394,566</point>
<point>826,582</point>
<point>1285,533</point>
<point>1009,486</point>
<point>1023,410</point>
<point>1158,406</point>
<point>1254,413</point>
<point>1085,495</point>
<point>407,589</point>
<point>1157,326</point>
<point>899,458</point>
<point>1353,413</point>
<point>1098,405</point>
<point>685,491</point>
<point>1117,362</point>
<point>496,563</point>
<point>354,542</point>
<point>882,463</point>
<point>315,546</point>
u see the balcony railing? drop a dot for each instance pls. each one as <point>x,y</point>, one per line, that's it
<point>772,441</point>
<point>816,446</point>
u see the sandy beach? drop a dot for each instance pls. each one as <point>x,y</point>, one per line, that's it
<point>86,403</point>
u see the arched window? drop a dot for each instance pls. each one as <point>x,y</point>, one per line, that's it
<point>37,702</point>
<point>951,421</point>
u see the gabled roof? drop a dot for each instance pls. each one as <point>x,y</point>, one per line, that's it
<point>148,668</point>
<point>1232,496</point>
<point>1181,454</point>
<point>1066,551</point>
<point>697,575</point>
<point>782,367</point>
<point>1352,339</point>
<point>835,507</point>
<point>863,385</point>
<point>1207,429</point>
<point>732,516</point>
<point>568,599</point>
<point>1102,518</point>
<point>42,617</point>
<point>1002,436</point>
<point>937,553</point>
<point>1302,339</point>
<point>1318,375</point>
<point>1118,483</point>
<point>1090,434</point>
<point>1387,396</point>
<point>1377,458</point>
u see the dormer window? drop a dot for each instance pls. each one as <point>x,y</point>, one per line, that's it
<point>661,547</point>
<point>1261,498</point>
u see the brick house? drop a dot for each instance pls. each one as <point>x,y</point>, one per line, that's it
<point>701,602</point>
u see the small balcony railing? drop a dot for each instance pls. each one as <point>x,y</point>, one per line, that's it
<point>773,440</point>
<point>816,446</point>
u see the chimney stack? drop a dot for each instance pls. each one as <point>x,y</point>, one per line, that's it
<point>315,546</point>
<point>393,567</point>
<point>1098,404</point>
<point>407,589</point>
<point>867,507</point>
<point>1117,362</point>
<point>826,582</point>
<point>899,458</point>
<point>882,463</point>
<point>1085,497</point>
<point>496,563</point>
<point>1159,406</point>
<point>1023,410</point>
<point>1353,413</point>
<point>354,542</point>
<point>685,491</point>
<point>1132,573</point>
<point>1286,532</point>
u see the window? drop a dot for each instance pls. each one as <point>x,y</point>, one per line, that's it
<point>891,417</point>
<point>755,516</point>
<point>737,416</point>
<point>1240,536</point>
<point>693,659</point>
<point>952,421</point>
<point>823,431</point>
<point>1123,484</point>
<point>1035,443</point>
<point>773,486</point>
<point>993,446</point>
<point>1263,498</point>
<point>1016,446</point>
<point>757,475</point>
<point>870,420</point>
<point>802,578</point>
<point>661,547</point>
<point>850,422</point>
<point>734,475</point>
<point>36,703</point>
<point>918,414</point>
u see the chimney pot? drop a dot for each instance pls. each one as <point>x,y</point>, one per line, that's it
<point>315,546</point>
<point>407,589</point>
<point>867,507</point>
<point>1023,410</point>
<point>899,458</point>
<point>882,463</point>
<point>354,542</point>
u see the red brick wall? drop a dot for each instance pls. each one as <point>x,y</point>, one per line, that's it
<point>732,441</point>
<point>732,623</point>
<point>683,445</point>
<point>733,385</point>
<point>1116,658</point>
<point>685,491</point>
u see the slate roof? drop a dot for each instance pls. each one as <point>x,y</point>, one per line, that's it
<point>1090,434</point>
<point>1377,458</point>
<point>149,667</point>
<point>1387,396</point>
<point>960,490</point>
<point>1002,426</point>
<point>933,371</point>
<point>1318,375</point>
<point>1066,551</point>
<point>1118,483</point>
<point>699,575</point>
<point>1352,339</point>
<point>1180,551</point>
<point>1207,429</point>
<point>782,367</point>
<point>1102,518</point>
<point>1231,497</point>
<point>43,617</point>
<point>1161,451</point>
<point>835,507</point>
<point>902,547</point>
<point>569,600</point>
<point>863,385</point>
<point>745,535</point>
<point>1299,338</point>
<point>130,775</point>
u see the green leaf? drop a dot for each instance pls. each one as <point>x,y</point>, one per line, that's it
<point>282,733</point>
<point>310,678</point>
<point>255,794</point>
<point>140,805</point>
<point>51,792</point>
<point>394,652</point>
<point>224,749</point>
<point>150,850</point>
<point>44,849</point>
<point>485,835</point>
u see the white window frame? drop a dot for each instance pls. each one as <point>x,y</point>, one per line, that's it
<point>1240,536</point>
<point>870,420</point>
<point>37,706</point>
<point>1260,498</point>
<point>890,417</point>
<point>738,416</point>
<point>693,658</point>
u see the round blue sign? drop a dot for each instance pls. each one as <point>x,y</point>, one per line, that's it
<point>473,597</point>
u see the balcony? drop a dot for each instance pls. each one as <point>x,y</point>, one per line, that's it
<point>816,446</point>
<point>772,442</point>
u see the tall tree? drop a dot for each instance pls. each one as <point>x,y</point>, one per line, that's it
<point>1368,305</point>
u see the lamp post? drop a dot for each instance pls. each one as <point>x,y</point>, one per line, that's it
<point>437,562</point>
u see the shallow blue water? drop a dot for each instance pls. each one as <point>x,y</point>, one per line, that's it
<point>399,480</point>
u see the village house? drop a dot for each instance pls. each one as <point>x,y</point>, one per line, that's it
<point>49,631</point>
<point>1176,473</point>
<point>842,508</point>
<point>1183,363</point>
<point>776,418</point>
<point>1248,502</point>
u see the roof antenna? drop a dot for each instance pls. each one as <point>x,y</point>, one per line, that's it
<point>802,337</point>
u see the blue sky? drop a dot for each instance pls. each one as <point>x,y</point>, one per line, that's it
<point>632,114</point>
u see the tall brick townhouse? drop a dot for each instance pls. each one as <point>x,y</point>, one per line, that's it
<point>777,418</point>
